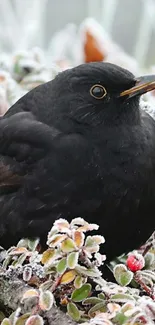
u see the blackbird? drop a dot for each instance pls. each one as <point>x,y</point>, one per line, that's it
<point>80,145</point>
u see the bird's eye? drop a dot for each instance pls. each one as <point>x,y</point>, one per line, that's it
<point>98,91</point>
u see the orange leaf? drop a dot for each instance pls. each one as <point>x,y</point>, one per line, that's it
<point>48,256</point>
<point>19,251</point>
<point>55,240</point>
<point>78,238</point>
<point>68,277</point>
<point>91,49</point>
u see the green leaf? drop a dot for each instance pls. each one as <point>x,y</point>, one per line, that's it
<point>79,281</point>
<point>46,300</point>
<point>98,307</point>
<point>13,316</point>
<point>23,243</point>
<point>101,296</point>
<point>33,243</point>
<point>21,259</point>
<point>81,293</point>
<point>6,262</point>
<point>72,260</point>
<point>6,321</point>
<point>91,301</point>
<point>122,298</point>
<point>62,265</point>
<point>46,285</point>
<point>73,311</point>
<point>22,319</point>
<point>149,259</point>
<point>92,272</point>
<point>122,275</point>
<point>2,316</point>
<point>120,319</point>
<point>68,245</point>
<point>89,241</point>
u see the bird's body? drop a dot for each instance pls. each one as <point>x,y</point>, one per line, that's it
<point>65,153</point>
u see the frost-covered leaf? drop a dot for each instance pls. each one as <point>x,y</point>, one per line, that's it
<point>101,295</point>
<point>62,265</point>
<point>73,311</point>
<point>77,222</point>
<point>122,298</point>
<point>6,262</point>
<point>48,256</point>
<point>78,238</point>
<point>46,300</point>
<point>91,246</point>
<point>98,239</point>
<point>19,251</point>
<point>127,306</point>
<point>30,294</point>
<point>149,259</point>
<point>120,319</point>
<point>21,259</point>
<point>91,250</point>
<point>2,316</point>
<point>122,275</point>
<point>15,315</point>
<point>113,307</point>
<point>55,240</point>
<point>22,319</point>
<point>72,260</point>
<point>27,273</point>
<point>68,245</point>
<point>35,258</point>
<point>98,307</point>
<point>62,225</point>
<point>79,281</point>
<point>81,293</point>
<point>149,273</point>
<point>33,243</point>
<point>89,242</point>
<point>46,285</point>
<point>99,259</point>
<point>53,231</point>
<point>6,321</point>
<point>15,261</point>
<point>23,243</point>
<point>35,320</point>
<point>91,301</point>
<point>92,272</point>
<point>88,227</point>
<point>68,277</point>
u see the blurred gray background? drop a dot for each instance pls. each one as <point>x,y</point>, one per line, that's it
<point>131,23</point>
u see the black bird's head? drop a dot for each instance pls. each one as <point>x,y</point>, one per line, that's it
<point>99,92</point>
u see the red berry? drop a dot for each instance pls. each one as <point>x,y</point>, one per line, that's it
<point>135,262</point>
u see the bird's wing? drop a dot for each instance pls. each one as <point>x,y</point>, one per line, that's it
<point>56,168</point>
<point>23,141</point>
<point>44,174</point>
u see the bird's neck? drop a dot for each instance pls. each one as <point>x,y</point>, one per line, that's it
<point>126,113</point>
